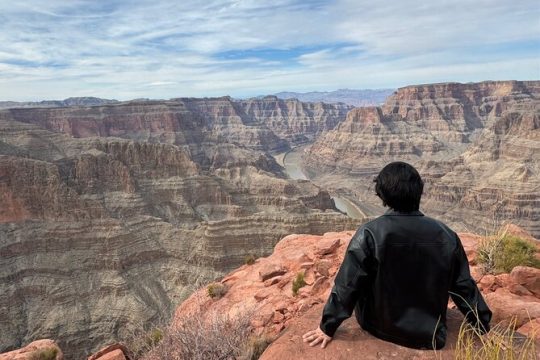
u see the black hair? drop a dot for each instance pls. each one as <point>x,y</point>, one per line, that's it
<point>399,186</point>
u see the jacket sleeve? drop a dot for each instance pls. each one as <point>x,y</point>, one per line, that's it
<point>465,293</point>
<point>350,283</point>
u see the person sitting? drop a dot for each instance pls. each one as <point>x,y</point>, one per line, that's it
<point>399,271</point>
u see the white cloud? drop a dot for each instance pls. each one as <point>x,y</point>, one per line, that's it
<point>160,49</point>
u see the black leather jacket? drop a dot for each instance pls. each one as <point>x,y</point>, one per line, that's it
<point>397,274</point>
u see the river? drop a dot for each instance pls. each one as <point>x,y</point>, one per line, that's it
<point>291,161</point>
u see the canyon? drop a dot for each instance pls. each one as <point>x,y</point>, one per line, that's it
<point>476,145</point>
<point>113,213</point>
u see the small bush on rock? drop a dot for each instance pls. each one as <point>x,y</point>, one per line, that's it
<point>44,354</point>
<point>154,337</point>
<point>503,252</point>
<point>250,259</point>
<point>255,347</point>
<point>216,290</point>
<point>298,283</point>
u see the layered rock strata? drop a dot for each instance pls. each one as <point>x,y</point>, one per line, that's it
<point>268,124</point>
<point>477,145</point>
<point>111,215</point>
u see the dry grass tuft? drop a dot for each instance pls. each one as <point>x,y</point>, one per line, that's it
<point>298,283</point>
<point>250,259</point>
<point>216,290</point>
<point>502,252</point>
<point>501,343</point>
<point>44,354</point>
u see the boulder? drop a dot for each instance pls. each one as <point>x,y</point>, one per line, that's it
<point>327,246</point>
<point>528,277</point>
<point>270,270</point>
<point>507,306</point>
<point>115,351</point>
<point>35,350</point>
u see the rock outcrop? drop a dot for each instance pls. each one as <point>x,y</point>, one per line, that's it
<point>477,146</point>
<point>111,352</point>
<point>111,215</point>
<point>264,289</point>
<point>39,349</point>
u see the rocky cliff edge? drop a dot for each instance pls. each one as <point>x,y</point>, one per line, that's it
<point>264,289</point>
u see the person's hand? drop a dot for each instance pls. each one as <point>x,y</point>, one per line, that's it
<point>315,337</point>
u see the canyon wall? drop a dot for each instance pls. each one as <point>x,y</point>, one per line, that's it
<point>477,146</point>
<point>111,215</point>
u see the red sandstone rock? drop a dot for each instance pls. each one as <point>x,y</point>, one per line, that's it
<point>506,306</point>
<point>253,290</point>
<point>351,342</point>
<point>327,246</point>
<point>470,245</point>
<point>113,355</point>
<point>111,352</point>
<point>279,312</point>
<point>519,290</point>
<point>32,351</point>
<point>272,281</point>
<point>488,283</point>
<point>503,280</point>
<point>528,277</point>
<point>323,267</point>
<point>271,270</point>
<point>531,328</point>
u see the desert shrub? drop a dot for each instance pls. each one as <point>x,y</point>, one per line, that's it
<point>501,343</point>
<point>503,252</point>
<point>154,337</point>
<point>44,354</point>
<point>141,340</point>
<point>250,259</point>
<point>255,347</point>
<point>216,290</point>
<point>298,283</point>
<point>205,336</point>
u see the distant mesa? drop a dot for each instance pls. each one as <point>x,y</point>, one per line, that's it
<point>71,101</point>
<point>354,97</point>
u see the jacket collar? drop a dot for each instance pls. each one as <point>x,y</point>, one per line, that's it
<point>392,212</point>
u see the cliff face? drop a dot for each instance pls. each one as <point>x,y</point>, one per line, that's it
<point>477,146</point>
<point>267,124</point>
<point>111,215</point>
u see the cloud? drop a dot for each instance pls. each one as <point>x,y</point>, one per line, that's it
<point>160,49</point>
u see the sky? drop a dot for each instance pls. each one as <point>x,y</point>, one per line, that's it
<point>126,49</point>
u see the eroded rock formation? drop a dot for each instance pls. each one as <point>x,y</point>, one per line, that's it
<point>477,146</point>
<point>111,215</point>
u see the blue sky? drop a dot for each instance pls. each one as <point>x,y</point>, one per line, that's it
<point>126,49</point>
